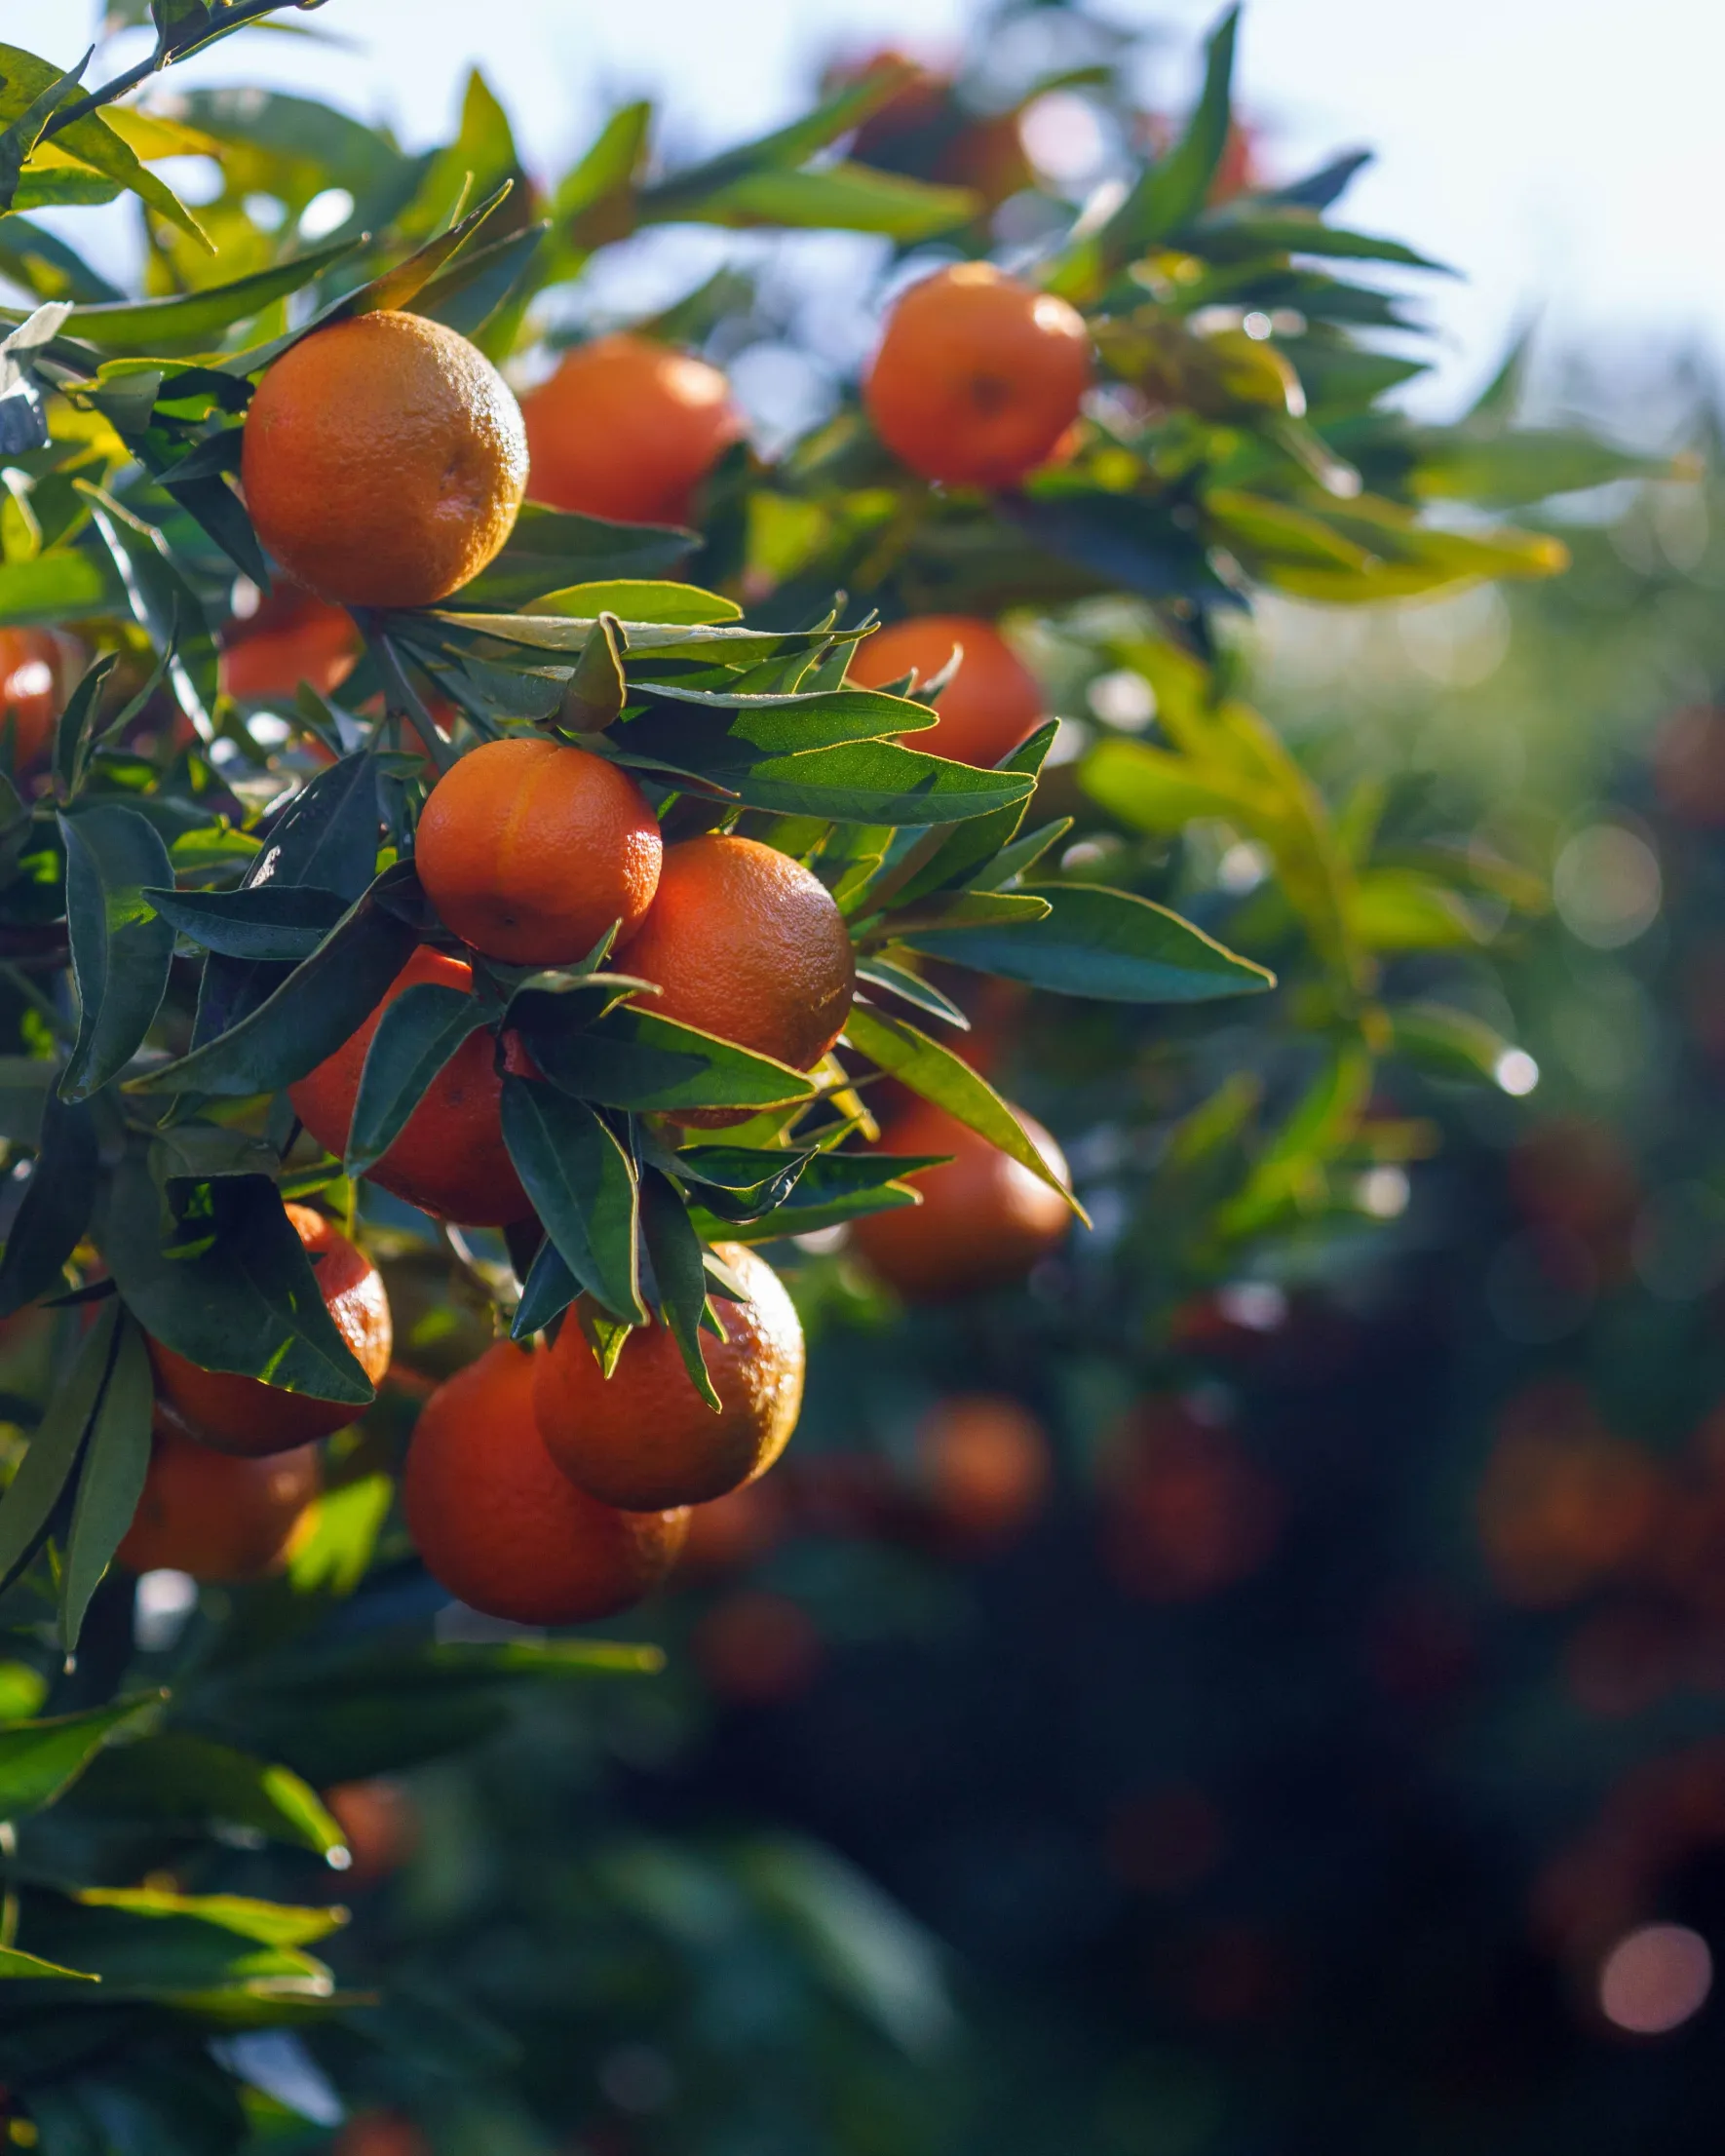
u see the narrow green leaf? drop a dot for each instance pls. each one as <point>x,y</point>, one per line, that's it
<point>597,689</point>
<point>641,600</point>
<point>116,1458</point>
<point>550,549</point>
<point>867,782</point>
<point>416,1036</point>
<point>56,1208</point>
<point>548,1290</point>
<point>71,730</point>
<point>583,1187</point>
<point>14,1963</point>
<point>939,1076</point>
<point>181,1779</point>
<point>38,1760</point>
<point>280,922</point>
<point>121,949</point>
<point>679,1273</point>
<point>195,321</point>
<point>163,604</point>
<point>633,1059</point>
<point>55,1444</point>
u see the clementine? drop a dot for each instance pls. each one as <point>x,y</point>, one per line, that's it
<point>976,376</point>
<point>292,638</point>
<point>627,428</point>
<point>37,670</point>
<point>219,1517</point>
<point>530,851</point>
<point>498,1522</point>
<point>986,710</point>
<point>245,1415</point>
<point>450,1159</point>
<point>984,1219</point>
<point>645,1438</point>
<point>383,461</point>
<point>745,943</point>
<point>982,1465</point>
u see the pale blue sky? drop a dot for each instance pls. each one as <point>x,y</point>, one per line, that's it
<point>1567,153</point>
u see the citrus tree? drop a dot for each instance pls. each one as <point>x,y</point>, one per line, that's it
<point>476,867</point>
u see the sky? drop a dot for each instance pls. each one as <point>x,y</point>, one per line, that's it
<point>1566,154</point>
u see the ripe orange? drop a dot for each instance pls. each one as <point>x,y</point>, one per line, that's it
<point>745,943</point>
<point>292,638</point>
<point>384,460</point>
<point>530,851</point>
<point>986,709</point>
<point>984,1219</point>
<point>645,1438</point>
<point>982,1462</point>
<point>734,1531</point>
<point>498,1522</point>
<point>219,1517</point>
<point>37,670</point>
<point>450,1161</point>
<point>379,1823</point>
<point>627,428</point>
<point>976,376</point>
<point>243,1414</point>
<point>380,2134</point>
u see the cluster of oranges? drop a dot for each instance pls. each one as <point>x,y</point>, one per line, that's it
<point>383,464</point>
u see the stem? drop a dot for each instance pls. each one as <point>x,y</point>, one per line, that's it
<point>80,108</point>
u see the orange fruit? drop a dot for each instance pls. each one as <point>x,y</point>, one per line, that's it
<point>383,461</point>
<point>756,1647</point>
<point>734,1531</point>
<point>220,1518</point>
<point>976,376</point>
<point>379,1823</point>
<point>645,1438</point>
<point>37,670</point>
<point>988,707</point>
<point>745,943</point>
<point>982,1464</point>
<point>380,2134</point>
<point>292,638</point>
<point>450,1161</point>
<point>530,851</point>
<point>245,1415</point>
<point>984,1219</point>
<point>498,1522</point>
<point>627,428</point>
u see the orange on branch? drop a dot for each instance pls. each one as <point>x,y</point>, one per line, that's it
<point>627,428</point>
<point>645,1438</point>
<point>986,710</point>
<point>223,1519</point>
<point>976,376</point>
<point>37,670</point>
<point>745,943</point>
<point>245,1415</point>
<point>498,1522</point>
<point>984,1219</point>
<point>292,638</point>
<point>450,1159</point>
<point>384,460</point>
<point>530,851</point>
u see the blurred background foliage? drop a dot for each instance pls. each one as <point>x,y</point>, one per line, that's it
<point>1258,1688</point>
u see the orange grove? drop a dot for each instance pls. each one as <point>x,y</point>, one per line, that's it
<point>37,670</point>
<point>976,376</point>
<point>291,639</point>
<point>245,1415</point>
<point>745,943</point>
<point>984,1219</point>
<point>530,851</point>
<point>450,1159</point>
<point>985,711</point>
<point>383,461</point>
<point>628,427</point>
<point>645,1438</point>
<point>498,1522</point>
<point>219,1517</point>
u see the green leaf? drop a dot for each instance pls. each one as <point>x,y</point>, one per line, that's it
<point>319,1005</point>
<point>958,856</point>
<point>641,600</point>
<point>1173,190</point>
<point>1403,909</point>
<point>14,1962</point>
<point>633,1059</point>
<point>248,1301</point>
<point>939,1076</point>
<point>280,922</point>
<point>416,1036</point>
<point>731,730</point>
<point>550,549</point>
<point>195,321</point>
<point>56,1208</point>
<point>832,198</point>
<point>679,1273</point>
<point>71,730</point>
<point>21,137</point>
<point>116,1458</point>
<point>184,1779</point>
<point>870,782</point>
<point>1094,941</point>
<point>881,972</point>
<point>1239,230</point>
<point>583,1187</point>
<point>59,584</point>
<point>1506,471</point>
<point>1449,1043</point>
<point>121,950</point>
<point>42,264</point>
<point>548,1290</point>
<point>163,604</point>
<point>38,1760</point>
<point>477,286</point>
<point>55,1445</point>
<point>403,281</point>
<point>597,689</point>
<point>194,1152</point>
<point>609,167</point>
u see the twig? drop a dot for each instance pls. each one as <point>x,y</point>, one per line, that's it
<point>164,54</point>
